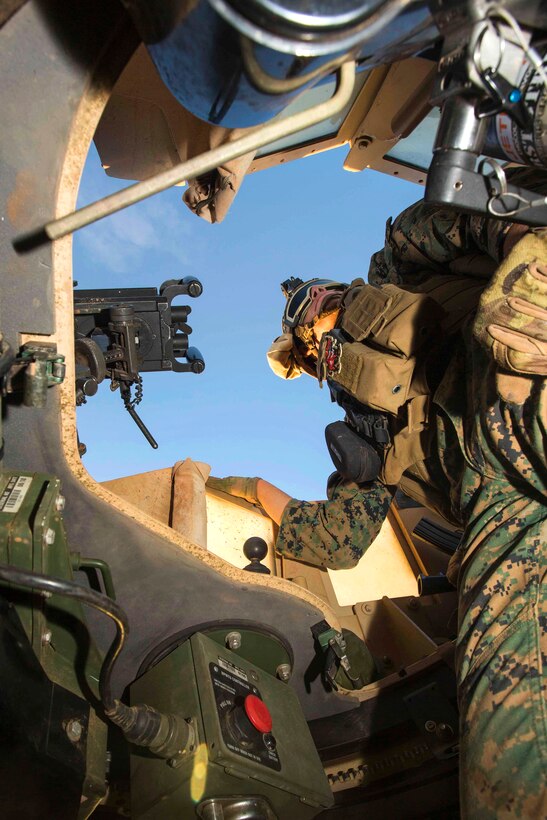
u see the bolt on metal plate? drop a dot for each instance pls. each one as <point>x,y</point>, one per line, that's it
<point>233,640</point>
<point>74,730</point>
<point>284,671</point>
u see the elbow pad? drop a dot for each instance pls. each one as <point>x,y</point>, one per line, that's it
<point>354,458</point>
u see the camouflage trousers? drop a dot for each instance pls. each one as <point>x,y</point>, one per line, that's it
<point>502,489</point>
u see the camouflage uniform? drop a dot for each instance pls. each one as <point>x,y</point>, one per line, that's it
<point>489,465</point>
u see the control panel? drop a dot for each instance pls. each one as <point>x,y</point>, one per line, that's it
<point>245,720</point>
<point>252,740</point>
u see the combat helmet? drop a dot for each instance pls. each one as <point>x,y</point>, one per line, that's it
<point>308,300</point>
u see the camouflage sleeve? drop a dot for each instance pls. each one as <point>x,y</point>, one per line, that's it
<point>334,533</point>
<point>430,237</point>
<point>425,238</point>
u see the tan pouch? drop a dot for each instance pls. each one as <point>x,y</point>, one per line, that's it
<point>410,445</point>
<point>391,318</point>
<point>374,377</point>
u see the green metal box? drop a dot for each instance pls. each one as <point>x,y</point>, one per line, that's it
<point>203,680</point>
<point>33,537</point>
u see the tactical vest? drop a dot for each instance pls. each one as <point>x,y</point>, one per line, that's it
<point>375,362</point>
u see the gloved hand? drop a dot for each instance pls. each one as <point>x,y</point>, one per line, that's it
<point>512,316</point>
<point>236,485</point>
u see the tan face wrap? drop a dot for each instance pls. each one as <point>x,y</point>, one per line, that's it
<point>281,358</point>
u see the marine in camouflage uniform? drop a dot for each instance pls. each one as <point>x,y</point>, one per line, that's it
<point>490,467</point>
<point>487,471</point>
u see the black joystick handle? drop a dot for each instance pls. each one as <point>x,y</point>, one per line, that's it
<point>255,549</point>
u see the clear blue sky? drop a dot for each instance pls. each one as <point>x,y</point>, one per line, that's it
<point>307,218</point>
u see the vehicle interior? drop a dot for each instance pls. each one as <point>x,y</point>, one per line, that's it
<point>254,686</point>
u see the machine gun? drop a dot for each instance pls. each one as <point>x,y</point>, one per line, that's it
<point>120,333</point>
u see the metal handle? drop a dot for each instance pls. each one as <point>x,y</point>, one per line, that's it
<point>78,562</point>
<point>195,167</point>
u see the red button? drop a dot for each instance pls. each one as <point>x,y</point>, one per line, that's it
<point>258,713</point>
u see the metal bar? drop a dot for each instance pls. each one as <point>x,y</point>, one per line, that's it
<point>410,543</point>
<point>196,166</point>
<point>142,426</point>
<point>101,567</point>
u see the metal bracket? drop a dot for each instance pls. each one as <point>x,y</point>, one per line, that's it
<point>41,366</point>
<point>234,808</point>
<point>448,183</point>
<point>333,644</point>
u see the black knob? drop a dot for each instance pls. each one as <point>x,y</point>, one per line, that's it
<point>194,286</point>
<point>195,359</point>
<point>180,344</point>
<point>256,549</point>
<point>89,386</point>
<point>179,314</point>
<point>121,314</point>
<point>84,388</point>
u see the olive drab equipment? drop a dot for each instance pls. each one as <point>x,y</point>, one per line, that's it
<point>377,356</point>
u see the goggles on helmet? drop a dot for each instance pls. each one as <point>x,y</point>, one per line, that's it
<point>307,300</point>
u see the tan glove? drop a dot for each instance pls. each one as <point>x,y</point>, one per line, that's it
<point>512,316</point>
<point>236,485</point>
<point>281,358</point>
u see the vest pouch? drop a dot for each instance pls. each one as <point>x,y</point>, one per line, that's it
<point>391,318</point>
<point>374,377</point>
<point>410,445</point>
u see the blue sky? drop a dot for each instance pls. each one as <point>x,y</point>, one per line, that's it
<point>307,218</point>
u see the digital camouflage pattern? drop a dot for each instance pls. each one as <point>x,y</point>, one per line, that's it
<point>337,532</point>
<point>490,463</point>
<point>500,490</point>
<point>499,487</point>
<point>426,238</point>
